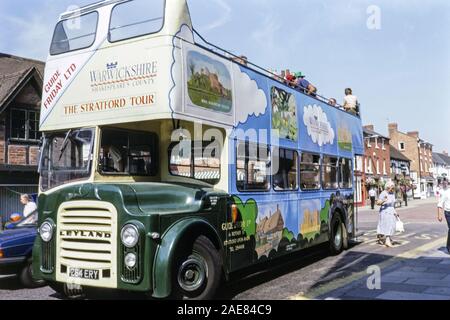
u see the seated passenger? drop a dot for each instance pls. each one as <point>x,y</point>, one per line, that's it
<point>332,102</point>
<point>350,102</point>
<point>291,80</point>
<point>241,60</point>
<point>304,85</point>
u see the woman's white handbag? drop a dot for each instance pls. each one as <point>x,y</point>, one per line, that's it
<point>399,226</point>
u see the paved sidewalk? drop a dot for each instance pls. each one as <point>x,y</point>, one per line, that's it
<point>426,277</point>
<point>411,204</point>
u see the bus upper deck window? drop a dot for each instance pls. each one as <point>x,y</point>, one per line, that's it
<point>136,18</point>
<point>74,34</point>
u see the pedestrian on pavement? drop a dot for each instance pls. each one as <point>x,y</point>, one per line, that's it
<point>444,207</point>
<point>373,197</point>
<point>388,215</point>
<point>404,191</point>
<point>29,205</point>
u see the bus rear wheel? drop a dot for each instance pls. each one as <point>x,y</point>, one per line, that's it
<point>337,235</point>
<point>197,272</point>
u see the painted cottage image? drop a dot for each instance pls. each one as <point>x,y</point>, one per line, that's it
<point>269,232</point>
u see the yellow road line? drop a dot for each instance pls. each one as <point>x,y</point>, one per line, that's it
<point>339,283</point>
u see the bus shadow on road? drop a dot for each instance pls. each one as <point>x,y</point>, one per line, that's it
<point>271,270</point>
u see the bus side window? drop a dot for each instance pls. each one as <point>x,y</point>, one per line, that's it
<point>252,167</point>
<point>136,18</point>
<point>345,174</point>
<point>74,34</point>
<point>310,171</point>
<point>286,179</point>
<point>198,160</point>
<point>329,173</point>
<point>124,152</point>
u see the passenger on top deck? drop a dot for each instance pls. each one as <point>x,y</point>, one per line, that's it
<point>351,102</point>
<point>291,80</point>
<point>304,85</point>
<point>332,102</point>
<point>241,60</point>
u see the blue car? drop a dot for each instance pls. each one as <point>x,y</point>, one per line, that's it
<point>16,244</point>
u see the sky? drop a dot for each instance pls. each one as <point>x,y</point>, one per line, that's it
<point>395,54</point>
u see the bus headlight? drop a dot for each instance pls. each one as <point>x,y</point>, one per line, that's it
<point>46,231</point>
<point>129,236</point>
<point>130,260</point>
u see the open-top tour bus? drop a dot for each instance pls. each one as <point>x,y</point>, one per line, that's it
<point>167,166</point>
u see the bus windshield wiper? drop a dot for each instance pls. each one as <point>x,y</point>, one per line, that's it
<point>64,144</point>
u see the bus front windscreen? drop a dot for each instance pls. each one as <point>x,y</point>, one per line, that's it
<point>66,157</point>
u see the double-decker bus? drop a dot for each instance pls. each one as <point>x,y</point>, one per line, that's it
<point>168,164</point>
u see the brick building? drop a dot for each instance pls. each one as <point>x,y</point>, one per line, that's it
<point>420,153</point>
<point>20,99</point>
<point>376,164</point>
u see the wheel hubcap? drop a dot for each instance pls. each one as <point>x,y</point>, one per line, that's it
<point>192,274</point>
<point>338,235</point>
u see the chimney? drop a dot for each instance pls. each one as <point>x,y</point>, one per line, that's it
<point>414,134</point>
<point>370,127</point>
<point>393,127</point>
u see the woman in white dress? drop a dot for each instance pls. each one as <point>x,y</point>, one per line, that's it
<point>388,215</point>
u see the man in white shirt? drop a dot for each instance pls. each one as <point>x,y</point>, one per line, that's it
<point>373,197</point>
<point>30,205</point>
<point>350,102</point>
<point>444,207</point>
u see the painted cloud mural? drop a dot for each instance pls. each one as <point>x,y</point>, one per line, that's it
<point>318,126</point>
<point>249,95</point>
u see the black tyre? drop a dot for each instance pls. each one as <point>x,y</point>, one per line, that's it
<point>197,272</point>
<point>337,235</point>
<point>66,291</point>
<point>26,276</point>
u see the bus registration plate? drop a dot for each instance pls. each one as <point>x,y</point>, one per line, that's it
<point>84,274</point>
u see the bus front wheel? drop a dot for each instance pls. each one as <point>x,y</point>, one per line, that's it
<point>197,272</point>
<point>337,235</point>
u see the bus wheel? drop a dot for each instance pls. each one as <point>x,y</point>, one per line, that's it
<point>26,276</point>
<point>337,235</point>
<point>67,291</point>
<point>197,272</point>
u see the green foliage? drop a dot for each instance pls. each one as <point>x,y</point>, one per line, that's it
<point>288,234</point>
<point>249,213</point>
<point>204,95</point>
<point>325,212</point>
<point>346,146</point>
<point>284,116</point>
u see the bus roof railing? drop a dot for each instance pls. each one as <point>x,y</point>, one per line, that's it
<point>229,55</point>
<point>88,8</point>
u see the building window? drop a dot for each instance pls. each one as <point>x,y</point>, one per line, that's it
<point>378,166</point>
<point>253,167</point>
<point>376,144</point>
<point>369,165</point>
<point>384,167</point>
<point>310,171</point>
<point>25,125</point>
<point>287,177</point>
<point>401,146</point>
<point>369,145</point>
<point>383,144</point>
